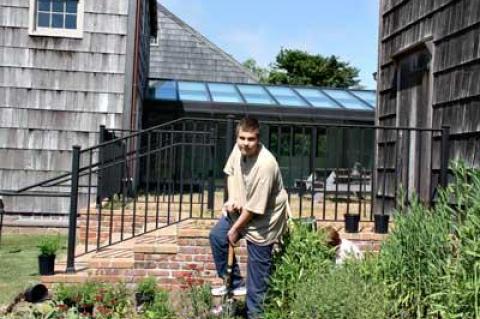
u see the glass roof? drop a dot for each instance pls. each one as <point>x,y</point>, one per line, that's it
<point>255,94</point>
<point>224,93</point>
<point>193,91</point>
<point>258,94</point>
<point>346,99</point>
<point>286,96</point>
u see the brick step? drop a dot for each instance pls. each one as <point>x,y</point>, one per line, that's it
<point>116,230</point>
<point>177,255</point>
<point>117,224</point>
<point>126,212</point>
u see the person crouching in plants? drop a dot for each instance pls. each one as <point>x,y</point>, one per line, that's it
<point>257,209</point>
<point>344,248</point>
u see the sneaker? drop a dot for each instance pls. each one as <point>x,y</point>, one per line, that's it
<point>240,291</point>
<point>217,310</point>
<point>222,290</point>
<point>219,291</point>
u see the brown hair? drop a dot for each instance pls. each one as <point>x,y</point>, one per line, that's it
<point>248,124</point>
<point>333,238</point>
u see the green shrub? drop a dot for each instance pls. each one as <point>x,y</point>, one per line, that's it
<point>458,295</point>
<point>413,258</point>
<point>113,301</point>
<point>304,253</point>
<point>430,262</point>
<point>147,286</point>
<point>66,294</point>
<point>49,246</point>
<point>159,308</point>
<point>200,299</point>
<point>87,293</point>
<point>345,292</point>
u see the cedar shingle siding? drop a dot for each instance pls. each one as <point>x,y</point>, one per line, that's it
<point>429,75</point>
<point>54,93</point>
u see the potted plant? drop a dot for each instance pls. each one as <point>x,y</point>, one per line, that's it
<point>381,223</point>
<point>67,295</point>
<point>351,222</point>
<point>146,290</point>
<point>46,260</point>
<point>87,294</point>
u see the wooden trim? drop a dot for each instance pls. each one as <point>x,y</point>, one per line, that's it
<point>425,42</point>
<point>386,116</point>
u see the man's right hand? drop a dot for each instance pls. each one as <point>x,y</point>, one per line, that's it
<point>230,207</point>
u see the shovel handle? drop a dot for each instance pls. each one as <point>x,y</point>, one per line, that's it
<point>231,255</point>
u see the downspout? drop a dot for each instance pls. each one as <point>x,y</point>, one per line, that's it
<point>133,114</point>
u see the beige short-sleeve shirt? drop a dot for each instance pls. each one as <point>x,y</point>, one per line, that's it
<point>256,184</point>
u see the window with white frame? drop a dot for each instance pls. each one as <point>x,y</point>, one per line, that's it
<point>62,18</point>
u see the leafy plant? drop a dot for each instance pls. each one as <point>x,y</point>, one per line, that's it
<point>49,246</point>
<point>200,299</point>
<point>66,294</point>
<point>343,292</point>
<point>304,253</point>
<point>413,258</point>
<point>458,294</point>
<point>159,308</point>
<point>87,293</point>
<point>113,301</point>
<point>147,286</point>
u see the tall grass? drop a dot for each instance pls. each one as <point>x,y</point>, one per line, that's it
<point>305,253</point>
<point>459,292</point>
<point>429,267</point>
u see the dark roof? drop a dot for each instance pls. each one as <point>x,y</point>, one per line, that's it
<point>181,52</point>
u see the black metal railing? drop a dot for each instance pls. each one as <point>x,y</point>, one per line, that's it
<point>133,183</point>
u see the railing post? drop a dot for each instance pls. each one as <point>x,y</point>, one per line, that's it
<point>228,148</point>
<point>2,212</point>
<point>444,152</point>
<point>72,225</point>
<point>211,168</point>
<point>313,151</point>
<point>100,169</point>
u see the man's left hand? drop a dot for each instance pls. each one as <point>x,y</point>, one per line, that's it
<point>233,236</point>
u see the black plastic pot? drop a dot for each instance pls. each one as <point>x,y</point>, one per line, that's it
<point>36,293</point>
<point>381,224</point>
<point>86,309</point>
<point>69,302</point>
<point>141,298</point>
<point>351,223</point>
<point>46,265</point>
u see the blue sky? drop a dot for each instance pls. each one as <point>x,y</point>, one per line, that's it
<point>258,29</point>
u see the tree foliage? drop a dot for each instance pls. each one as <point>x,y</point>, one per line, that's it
<point>297,67</point>
<point>258,71</point>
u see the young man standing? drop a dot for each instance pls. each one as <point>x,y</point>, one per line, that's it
<point>257,209</point>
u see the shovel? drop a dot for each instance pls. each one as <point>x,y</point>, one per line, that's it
<point>228,300</point>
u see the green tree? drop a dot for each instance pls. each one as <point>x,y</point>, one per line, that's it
<point>297,67</point>
<point>258,71</point>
